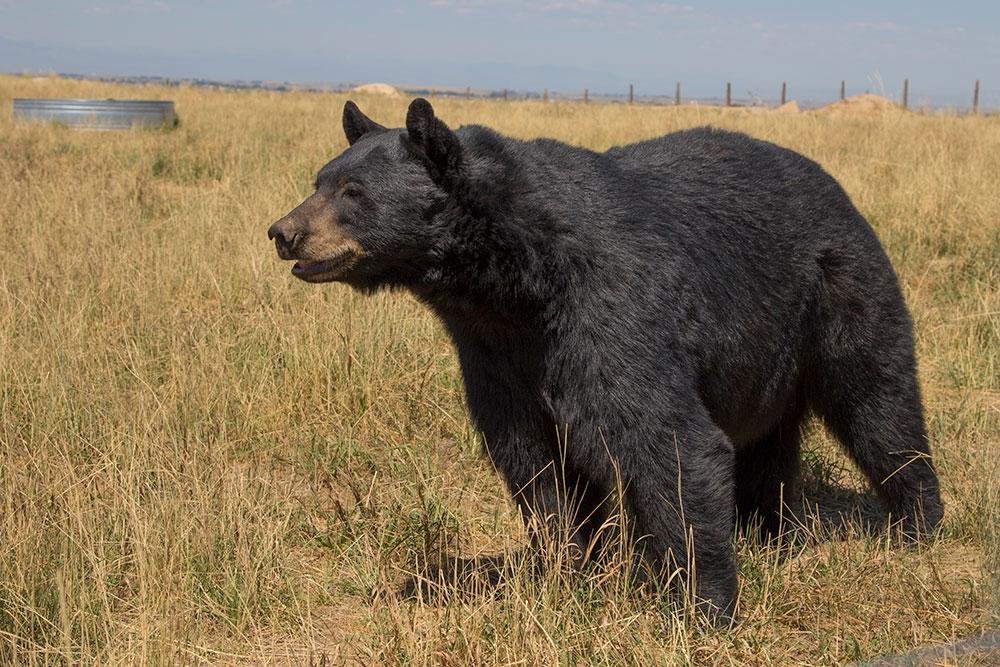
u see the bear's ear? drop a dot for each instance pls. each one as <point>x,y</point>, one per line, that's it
<point>356,124</point>
<point>432,141</point>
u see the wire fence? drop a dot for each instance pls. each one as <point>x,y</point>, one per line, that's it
<point>726,97</point>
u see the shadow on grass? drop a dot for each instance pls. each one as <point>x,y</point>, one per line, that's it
<point>464,577</point>
<point>835,512</point>
<point>822,511</point>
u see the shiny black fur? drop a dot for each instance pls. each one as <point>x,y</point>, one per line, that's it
<point>663,315</point>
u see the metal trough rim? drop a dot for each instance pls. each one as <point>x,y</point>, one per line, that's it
<point>107,113</point>
<point>80,103</point>
<point>81,100</point>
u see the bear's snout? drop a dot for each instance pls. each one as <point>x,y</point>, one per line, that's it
<point>285,237</point>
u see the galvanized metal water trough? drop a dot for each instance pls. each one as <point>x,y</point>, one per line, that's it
<point>98,114</point>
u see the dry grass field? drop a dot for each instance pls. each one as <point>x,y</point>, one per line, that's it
<point>203,459</point>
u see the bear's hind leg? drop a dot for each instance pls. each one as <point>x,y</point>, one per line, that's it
<point>879,421</point>
<point>868,396</point>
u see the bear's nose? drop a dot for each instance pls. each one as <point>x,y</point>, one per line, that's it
<point>284,236</point>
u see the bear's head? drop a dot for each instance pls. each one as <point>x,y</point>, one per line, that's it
<point>370,221</point>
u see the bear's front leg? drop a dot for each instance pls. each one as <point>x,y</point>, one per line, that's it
<point>553,500</point>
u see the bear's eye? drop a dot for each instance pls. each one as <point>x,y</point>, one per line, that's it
<point>352,191</point>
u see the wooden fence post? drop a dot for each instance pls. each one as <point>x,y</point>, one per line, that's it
<point>906,94</point>
<point>841,89</point>
<point>783,90</point>
<point>677,94</point>
<point>975,99</point>
<point>729,94</point>
<point>545,96</point>
<point>631,94</point>
<point>468,92</point>
<point>504,94</point>
<point>586,95</point>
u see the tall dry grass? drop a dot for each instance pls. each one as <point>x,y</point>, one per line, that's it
<point>204,460</point>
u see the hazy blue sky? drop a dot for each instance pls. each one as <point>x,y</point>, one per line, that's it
<point>942,46</point>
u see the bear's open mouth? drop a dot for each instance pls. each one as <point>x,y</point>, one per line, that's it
<point>327,269</point>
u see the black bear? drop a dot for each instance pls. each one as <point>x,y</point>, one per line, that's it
<point>658,318</point>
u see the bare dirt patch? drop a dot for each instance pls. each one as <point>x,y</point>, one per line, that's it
<point>383,89</point>
<point>861,105</point>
